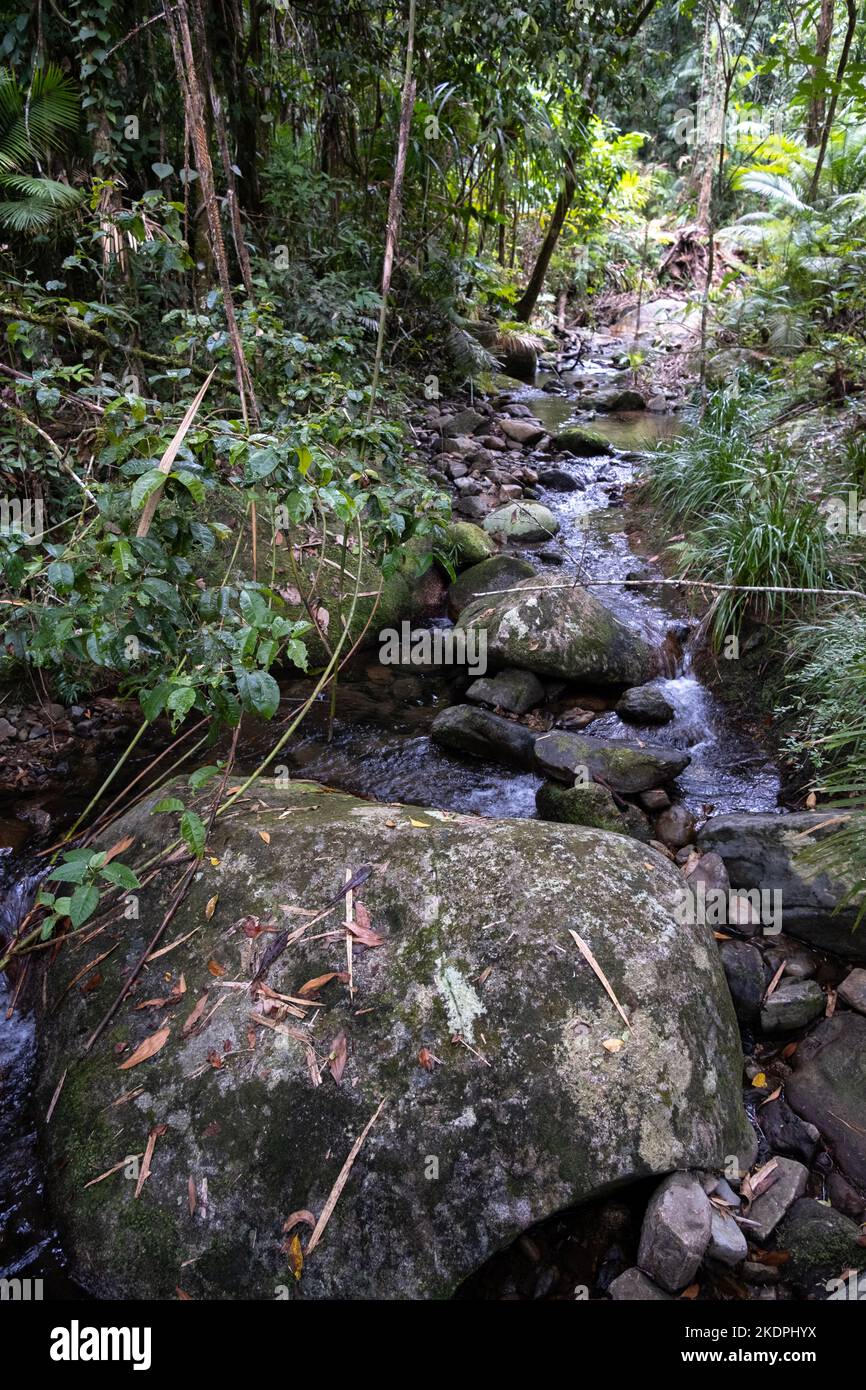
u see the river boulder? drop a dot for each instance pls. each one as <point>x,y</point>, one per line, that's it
<point>472,1077</point>
<point>775,853</point>
<point>547,625</point>
<point>624,765</point>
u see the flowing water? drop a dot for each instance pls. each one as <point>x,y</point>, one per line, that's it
<point>380,748</point>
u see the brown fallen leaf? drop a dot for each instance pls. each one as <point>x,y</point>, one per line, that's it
<point>770,1257</point>
<point>591,961</point>
<point>215,1059</point>
<point>264,835</point>
<point>182,1296</point>
<point>312,985</point>
<point>755,1183</point>
<point>299,1218</point>
<point>147,1049</point>
<point>144,1172</point>
<point>691,1292</point>
<point>613,1044</point>
<point>789,1050</point>
<point>216,969</point>
<point>774,1095</point>
<point>210,906</point>
<point>361,929</point>
<point>119,848</point>
<point>428,1059</point>
<point>193,1018</point>
<point>338,1056</point>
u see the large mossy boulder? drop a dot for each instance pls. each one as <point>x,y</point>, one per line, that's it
<point>582,443</point>
<point>552,627</point>
<point>522,521</point>
<point>469,544</point>
<point>499,572</point>
<point>781,854</point>
<point>624,765</point>
<point>474,1033</point>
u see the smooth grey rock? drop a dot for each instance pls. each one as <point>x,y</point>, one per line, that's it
<point>675,827</point>
<point>767,1211</point>
<point>625,766</point>
<point>852,990</point>
<point>727,1244</point>
<point>785,1132</point>
<point>655,800</point>
<point>792,1005</point>
<point>744,969</point>
<point>522,431</point>
<point>465,422</point>
<point>538,1130</point>
<point>675,1231</point>
<point>634,1286</point>
<point>515,691</point>
<point>465,729</point>
<point>828,1088</point>
<point>645,704</point>
<point>523,521</point>
<point>764,851</point>
<point>559,480</point>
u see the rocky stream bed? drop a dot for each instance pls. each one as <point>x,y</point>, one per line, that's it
<point>693,1124</point>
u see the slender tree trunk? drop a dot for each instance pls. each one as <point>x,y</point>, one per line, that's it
<point>851,6</point>
<point>395,201</point>
<point>817,106</point>
<point>178,26</point>
<point>526,304</point>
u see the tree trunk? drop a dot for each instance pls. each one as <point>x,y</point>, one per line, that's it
<point>834,100</point>
<point>526,304</point>
<point>817,106</point>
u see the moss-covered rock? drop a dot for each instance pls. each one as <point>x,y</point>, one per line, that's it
<point>590,804</point>
<point>625,765</point>
<point>522,521</point>
<point>822,1243</point>
<point>499,572</point>
<point>468,543</point>
<point>514,1111</point>
<point>554,628</point>
<point>582,443</point>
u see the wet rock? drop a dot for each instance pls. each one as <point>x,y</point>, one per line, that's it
<point>469,544</point>
<point>846,1198</point>
<point>511,690</point>
<point>535,1132</point>
<point>786,1133</point>
<point>792,1006</point>
<point>828,1088</point>
<point>800,963</point>
<point>675,1231</point>
<point>527,521</point>
<point>675,827</point>
<point>634,1285</point>
<point>655,800</point>
<point>821,1242</point>
<point>465,422</point>
<point>559,480</point>
<point>551,627</point>
<point>743,965</point>
<point>476,508</point>
<point>767,1210</point>
<point>582,443</point>
<point>7,730</point>
<point>612,398</point>
<point>497,573</point>
<point>588,803</point>
<point>524,432</point>
<point>517,358</point>
<point>645,704</point>
<point>764,851</point>
<point>623,765</point>
<point>710,871</point>
<point>727,1243</point>
<point>852,990</point>
<point>465,729</point>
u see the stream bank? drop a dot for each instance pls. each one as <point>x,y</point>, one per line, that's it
<point>381,749</point>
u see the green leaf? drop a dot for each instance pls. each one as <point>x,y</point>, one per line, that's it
<point>201,777</point>
<point>192,830</point>
<point>259,693</point>
<point>120,875</point>
<point>168,803</point>
<point>144,486</point>
<point>83,903</point>
<point>70,873</point>
<point>61,575</point>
